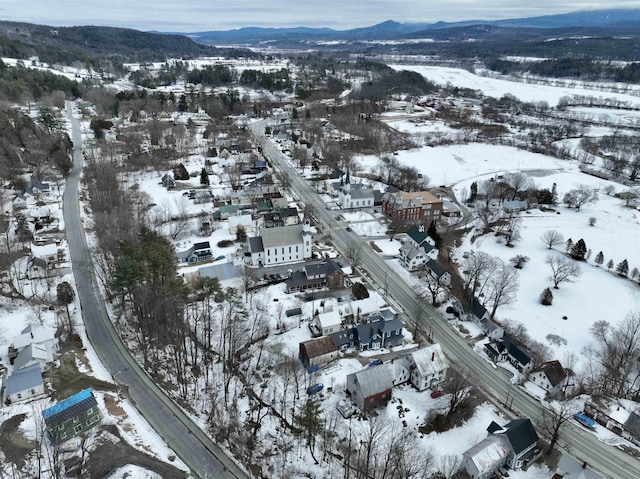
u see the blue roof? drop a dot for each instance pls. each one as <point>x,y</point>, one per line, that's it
<point>67,403</point>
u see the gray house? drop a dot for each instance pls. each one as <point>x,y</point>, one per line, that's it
<point>24,384</point>
<point>513,445</point>
<point>571,468</point>
<point>370,387</point>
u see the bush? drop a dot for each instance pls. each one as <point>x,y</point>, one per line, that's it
<point>546,297</point>
<point>225,243</point>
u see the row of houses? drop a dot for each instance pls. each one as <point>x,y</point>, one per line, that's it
<point>372,387</point>
<point>32,352</point>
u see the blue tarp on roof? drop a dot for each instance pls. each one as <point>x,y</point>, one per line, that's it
<point>67,403</point>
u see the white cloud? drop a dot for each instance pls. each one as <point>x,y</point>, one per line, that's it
<point>199,15</point>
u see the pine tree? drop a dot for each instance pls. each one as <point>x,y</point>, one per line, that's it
<point>569,244</point>
<point>473,192</point>
<point>432,231</point>
<point>599,259</point>
<point>579,250</point>
<point>309,423</point>
<point>554,195</point>
<point>635,273</point>
<point>546,297</point>
<point>204,177</point>
<point>610,264</point>
<point>623,268</point>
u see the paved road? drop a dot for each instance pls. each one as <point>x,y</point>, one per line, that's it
<point>194,447</point>
<point>494,382</point>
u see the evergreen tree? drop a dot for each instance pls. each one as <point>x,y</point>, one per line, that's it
<point>546,297</point>
<point>610,264</point>
<point>635,273</point>
<point>599,259</point>
<point>623,268</point>
<point>473,192</point>
<point>204,177</point>
<point>432,231</point>
<point>554,195</point>
<point>569,244</point>
<point>579,250</point>
<point>309,423</point>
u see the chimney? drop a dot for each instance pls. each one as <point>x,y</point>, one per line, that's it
<point>433,355</point>
<point>584,465</point>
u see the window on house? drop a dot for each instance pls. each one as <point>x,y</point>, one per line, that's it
<point>60,427</point>
<point>76,419</point>
<point>63,435</point>
<point>77,428</point>
<point>19,396</point>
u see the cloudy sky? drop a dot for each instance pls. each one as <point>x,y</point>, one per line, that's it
<point>200,15</point>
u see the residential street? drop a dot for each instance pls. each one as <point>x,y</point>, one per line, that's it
<point>584,445</point>
<point>192,445</point>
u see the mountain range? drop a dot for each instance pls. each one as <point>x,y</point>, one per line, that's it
<point>390,30</point>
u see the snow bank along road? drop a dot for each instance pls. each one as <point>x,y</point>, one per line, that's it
<point>495,382</point>
<point>191,444</point>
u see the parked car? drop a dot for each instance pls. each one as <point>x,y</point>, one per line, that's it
<point>316,388</point>
<point>375,362</point>
<point>436,394</point>
<point>586,421</point>
<point>219,257</point>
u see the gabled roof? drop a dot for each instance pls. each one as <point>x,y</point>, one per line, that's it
<point>255,244</point>
<point>222,271</point>
<point>571,468</point>
<point>375,380</point>
<point>282,236</point>
<point>478,309</point>
<point>487,453</point>
<point>69,408</point>
<point>287,212</point>
<point>430,360</point>
<point>521,434</point>
<point>327,267</point>
<point>366,332</point>
<point>554,371</point>
<point>416,235</point>
<point>436,268</point>
<point>488,325</point>
<point>632,424</point>
<point>33,352</point>
<point>34,334</point>
<point>23,379</point>
<point>516,352</point>
<point>318,347</point>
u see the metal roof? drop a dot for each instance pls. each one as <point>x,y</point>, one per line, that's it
<point>23,379</point>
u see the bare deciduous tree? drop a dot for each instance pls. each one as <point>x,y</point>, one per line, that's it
<point>581,196</point>
<point>552,238</point>
<point>562,270</point>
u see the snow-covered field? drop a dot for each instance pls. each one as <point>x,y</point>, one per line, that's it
<point>498,87</point>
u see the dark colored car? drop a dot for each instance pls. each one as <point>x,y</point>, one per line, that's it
<point>316,388</point>
<point>436,394</point>
<point>375,362</point>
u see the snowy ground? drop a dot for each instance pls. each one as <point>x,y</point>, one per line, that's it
<point>497,88</point>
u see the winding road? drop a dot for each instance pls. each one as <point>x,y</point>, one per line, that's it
<point>495,383</point>
<point>194,447</point>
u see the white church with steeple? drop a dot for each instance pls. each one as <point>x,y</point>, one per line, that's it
<point>354,196</point>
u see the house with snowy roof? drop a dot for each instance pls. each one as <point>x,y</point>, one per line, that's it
<point>513,445</point>
<point>506,350</point>
<point>71,416</point>
<point>354,196</point>
<point>370,388</point>
<point>280,245</point>
<point>23,385</point>
<point>571,468</point>
<point>550,376</point>
<point>425,368</point>
<point>328,273</point>
<point>418,249</point>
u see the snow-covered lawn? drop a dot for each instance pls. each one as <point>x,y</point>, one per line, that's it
<point>597,294</point>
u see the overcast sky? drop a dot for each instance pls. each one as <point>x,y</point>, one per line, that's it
<point>201,15</point>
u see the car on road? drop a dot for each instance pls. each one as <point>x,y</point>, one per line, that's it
<point>586,421</point>
<point>348,228</point>
<point>315,388</point>
<point>375,362</point>
<point>436,394</point>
